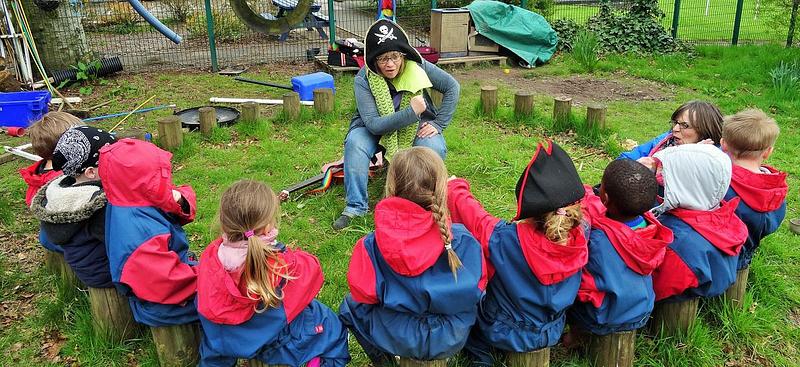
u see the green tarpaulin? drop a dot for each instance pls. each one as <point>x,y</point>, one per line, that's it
<point>525,33</point>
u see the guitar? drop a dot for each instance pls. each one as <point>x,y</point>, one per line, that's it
<point>331,172</point>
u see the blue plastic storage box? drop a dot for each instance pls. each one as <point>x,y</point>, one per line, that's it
<point>21,109</point>
<point>305,84</point>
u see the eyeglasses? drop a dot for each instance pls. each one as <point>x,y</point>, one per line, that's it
<point>394,58</point>
<point>683,125</point>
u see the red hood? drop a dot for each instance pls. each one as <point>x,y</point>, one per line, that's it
<point>137,173</point>
<point>36,181</point>
<point>721,227</point>
<point>219,297</point>
<point>551,262</point>
<point>643,249</point>
<point>407,236</point>
<point>764,192</point>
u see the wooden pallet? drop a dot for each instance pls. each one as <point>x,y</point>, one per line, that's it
<point>466,61</point>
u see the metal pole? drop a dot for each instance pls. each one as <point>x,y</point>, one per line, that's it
<point>737,22</point>
<point>332,24</point>
<point>212,42</point>
<point>676,16</point>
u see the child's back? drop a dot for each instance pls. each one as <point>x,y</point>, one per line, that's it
<point>533,268</point>
<point>626,244</point>
<point>277,323</point>
<point>702,259</point>
<point>748,137</point>
<point>147,247</point>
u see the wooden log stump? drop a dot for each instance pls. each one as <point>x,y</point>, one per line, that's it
<point>111,314</point>
<point>436,97</point>
<point>178,345</point>
<point>250,112</point>
<point>523,103</point>
<point>53,261</point>
<point>323,100</point>
<point>291,105</point>
<point>674,318</point>
<point>562,109</point>
<point>613,350</point>
<point>408,362</point>
<point>536,358</point>
<point>735,294</point>
<point>133,133</point>
<point>596,116</point>
<point>170,135</point>
<point>489,99</point>
<point>257,363</point>
<point>208,120</point>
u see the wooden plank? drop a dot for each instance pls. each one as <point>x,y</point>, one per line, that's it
<point>322,61</point>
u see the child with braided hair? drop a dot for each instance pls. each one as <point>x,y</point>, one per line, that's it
<point>533,261</point>
<point>415,282</point>
<point>256,297</point>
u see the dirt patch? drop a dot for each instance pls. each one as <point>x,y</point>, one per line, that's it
<point>794,317</point>
<point>582,88</point>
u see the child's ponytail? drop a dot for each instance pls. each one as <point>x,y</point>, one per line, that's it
<point>262,269</point>
<point>558,223</point>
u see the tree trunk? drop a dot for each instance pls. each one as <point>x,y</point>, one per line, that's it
<point>58,34</point>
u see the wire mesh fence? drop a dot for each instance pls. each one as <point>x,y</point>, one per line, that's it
<point>112,28</point>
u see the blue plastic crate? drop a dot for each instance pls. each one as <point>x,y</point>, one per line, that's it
<point>305,84</point>
<point>20,109</point>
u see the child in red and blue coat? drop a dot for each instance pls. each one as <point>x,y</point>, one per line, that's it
<point>147,247</point>
<point>626,244</point>
<point>256,297</point>
<point>749,137</point>
<point>533,262</point>
<point>703,257</point>
<point>415,283</point>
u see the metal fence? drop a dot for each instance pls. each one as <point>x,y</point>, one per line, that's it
<point>112,28</point>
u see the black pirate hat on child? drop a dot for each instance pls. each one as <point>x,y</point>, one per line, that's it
<point>384,36</point>
<point>78,148</point>
<point>549,182</point>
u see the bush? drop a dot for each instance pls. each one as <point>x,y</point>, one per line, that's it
<point>786,80</point>
<point>638,29</point>
<point>585,50</point>
<point>227,27</point>
<point>567,30</point>
<point>180,9</point>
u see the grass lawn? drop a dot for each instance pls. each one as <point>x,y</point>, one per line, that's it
<point>42,323</point>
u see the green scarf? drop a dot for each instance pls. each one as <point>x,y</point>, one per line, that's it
<point>410,83</point>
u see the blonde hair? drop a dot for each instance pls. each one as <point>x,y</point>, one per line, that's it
<point>749,133</point>
<point>418,174</point>
<point>44,133</point>
<point>556,226</point>
<point>252,206</point>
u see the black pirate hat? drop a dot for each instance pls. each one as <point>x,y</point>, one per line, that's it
<point>550,181</point>
<point>384,36</point>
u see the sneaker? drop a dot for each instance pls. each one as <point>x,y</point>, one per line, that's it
<point>342,222</point>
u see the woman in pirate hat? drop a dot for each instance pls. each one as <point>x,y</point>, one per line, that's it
<point>533,261</point>
<point>394,109</point>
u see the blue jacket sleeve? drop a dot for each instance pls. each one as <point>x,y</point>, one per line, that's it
<point>368,110</point>
<point>643,150</point>
<point>450,89</point>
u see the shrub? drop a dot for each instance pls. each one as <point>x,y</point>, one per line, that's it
<point>567,30</point>
<point>637,30</point>
<point>586,50</point>
<point>786,80</point>
<point>180,9</point>
<point>227,27</point>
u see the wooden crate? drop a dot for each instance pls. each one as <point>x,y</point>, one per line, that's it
<point>450,30</point>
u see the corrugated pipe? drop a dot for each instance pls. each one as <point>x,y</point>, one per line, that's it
<point>174,37</point>
<point>107,66</point>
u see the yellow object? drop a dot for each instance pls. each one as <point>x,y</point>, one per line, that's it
<point>506,70</point>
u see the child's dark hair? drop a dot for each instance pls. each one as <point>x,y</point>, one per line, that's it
<point>705,118</point>
<point>631,187</point>
<point>418,174</point>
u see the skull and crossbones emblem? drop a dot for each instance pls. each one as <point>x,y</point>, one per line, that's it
<point>386,33</point>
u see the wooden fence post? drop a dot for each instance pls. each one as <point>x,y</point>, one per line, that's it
<point>613,350</point>
<point>111,314</point>
<point>408,362</point>
<point>177,345</point>
<point>562,109</point>
<point>735,294</point>
<point>208,120</point>
<point>674,318</point>
<point>291,105</point>
<point>170,135</point>
<point>596,116</point>
<point>523,103</point>
<point>536,358</point>
<point>489,99</point>
<point>323,100</point>
<point>250,112</point>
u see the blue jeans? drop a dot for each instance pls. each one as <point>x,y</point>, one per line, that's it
<point>359,147</point>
